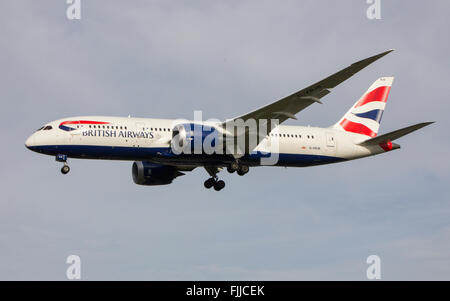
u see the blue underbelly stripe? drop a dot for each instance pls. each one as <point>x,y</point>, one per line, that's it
<point>164,154</point>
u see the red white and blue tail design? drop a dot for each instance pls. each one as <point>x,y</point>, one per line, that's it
<point>365,116</point>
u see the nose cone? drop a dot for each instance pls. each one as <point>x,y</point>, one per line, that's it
<point>29,143</point>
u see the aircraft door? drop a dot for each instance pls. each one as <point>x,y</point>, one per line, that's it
<point>74,135</point>
<point>330,143</point>
<point>330,140</point>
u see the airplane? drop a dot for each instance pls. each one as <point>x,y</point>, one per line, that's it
<point>162,149</point>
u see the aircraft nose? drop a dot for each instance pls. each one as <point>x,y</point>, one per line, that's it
<point>30,142</point>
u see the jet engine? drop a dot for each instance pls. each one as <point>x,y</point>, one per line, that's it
<point>147,173</point>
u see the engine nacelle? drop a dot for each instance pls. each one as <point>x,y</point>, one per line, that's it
<point>192,138</point>
<point>146,173</point>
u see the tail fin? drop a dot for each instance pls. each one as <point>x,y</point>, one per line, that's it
<point>364,116</point>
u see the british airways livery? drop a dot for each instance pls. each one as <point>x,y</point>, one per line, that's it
<point>163,149</point>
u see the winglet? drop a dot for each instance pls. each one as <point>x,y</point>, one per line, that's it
<point>372,59</point>
<point>339,77</point>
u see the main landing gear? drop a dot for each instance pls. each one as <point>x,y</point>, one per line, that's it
<point>63,158</point>
<point>214,180</point>
<point>219,184</point>
<point>240,169</point>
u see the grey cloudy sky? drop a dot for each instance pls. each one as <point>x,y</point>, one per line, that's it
<point>169,58</point>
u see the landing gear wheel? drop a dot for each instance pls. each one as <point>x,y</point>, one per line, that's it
<point>230,170</point>
<point>214,180</point>
<point>219,185</point>
<point>243,169</point>
<point>209,183</point>
<point>65,169</point>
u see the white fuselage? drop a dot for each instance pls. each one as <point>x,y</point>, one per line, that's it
<point>122,138</point>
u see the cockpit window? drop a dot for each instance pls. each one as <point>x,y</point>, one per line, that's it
<point>48,127</point>
<point>39,129</point>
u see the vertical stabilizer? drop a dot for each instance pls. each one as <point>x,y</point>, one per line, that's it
<point>364,116</point>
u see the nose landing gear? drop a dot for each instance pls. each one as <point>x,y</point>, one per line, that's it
<point>63,158</point>
<point>65,169</point>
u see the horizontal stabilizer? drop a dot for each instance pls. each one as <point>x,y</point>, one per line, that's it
<point>395,134</point>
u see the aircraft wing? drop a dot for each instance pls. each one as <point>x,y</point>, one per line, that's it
<point>287,107</point>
